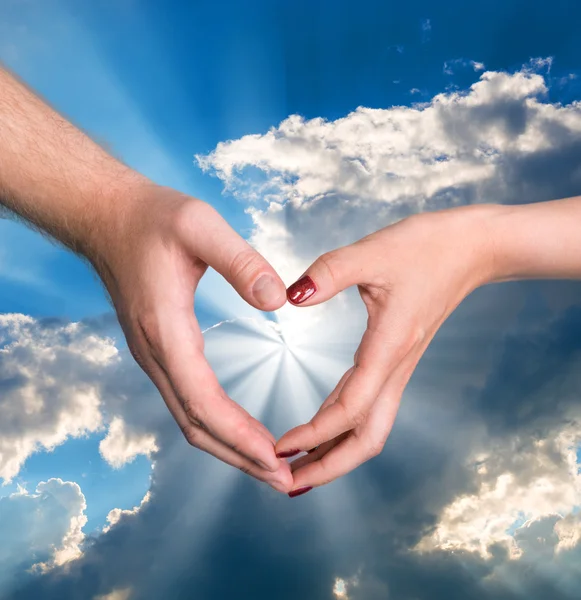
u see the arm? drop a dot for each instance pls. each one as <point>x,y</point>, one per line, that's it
<point>150,245</point>
<point>537,241</point>
<point>411,276</point>
<point>53,175</point>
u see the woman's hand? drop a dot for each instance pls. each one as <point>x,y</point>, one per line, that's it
<point>151,256</point>
<point>411,276</point>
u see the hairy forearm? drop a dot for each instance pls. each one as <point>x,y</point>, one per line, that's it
<point>535,241</point>
<point>53,175</point>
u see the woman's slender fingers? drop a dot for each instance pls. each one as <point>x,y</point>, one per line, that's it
<point>317,453</point>
<point>332,397</point>
<point>352,451</point>
<point>362,444</point>
<point>383,348</point>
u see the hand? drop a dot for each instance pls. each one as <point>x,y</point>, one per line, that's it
<point>411,276</point>
<point>151,246</point>
<point>151,260</point>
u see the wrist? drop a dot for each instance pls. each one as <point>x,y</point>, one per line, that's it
<point>487,231</point>
<point>115,199</point>
<point>477,240</point>
<point>502,226</point>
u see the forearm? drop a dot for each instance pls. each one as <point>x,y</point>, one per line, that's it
<point>53,175</point>
<point>536,241</point>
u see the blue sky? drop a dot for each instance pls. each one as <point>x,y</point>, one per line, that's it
<point>158,83</point>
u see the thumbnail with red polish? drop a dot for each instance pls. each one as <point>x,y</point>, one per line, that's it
<point>299,491</point>
<point>287,453</point>
<point>302,290</point>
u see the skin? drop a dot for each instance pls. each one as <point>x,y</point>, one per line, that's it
<point>411,276</point>
<point>150,245</point>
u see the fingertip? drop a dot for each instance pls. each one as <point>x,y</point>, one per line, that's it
<point>269,292</point>
<point>285,448</point>
<point>270,464</point>
<point>263,430</point>
<point>300,291</point>
<point>262,453</point>
<point>287,481</point>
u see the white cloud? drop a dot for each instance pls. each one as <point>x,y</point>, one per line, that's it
<point>326,183</point>
<point>41,530</point>
<point>450,66</point>
<point>122,445</point>
<point>60,380</point>
<point>542,63</point>
<point>50,389</point>
<point>519,480</point>
<point>568,531</point>
<point>117,514</point>
<point>343,587</point>
<point>394,154</point>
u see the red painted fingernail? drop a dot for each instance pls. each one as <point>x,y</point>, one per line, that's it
<point>299,491</point>
<point>302,290</point>
<point>287,453</point>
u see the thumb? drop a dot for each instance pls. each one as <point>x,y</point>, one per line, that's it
<point>330,274</point>
<point>249,273</point>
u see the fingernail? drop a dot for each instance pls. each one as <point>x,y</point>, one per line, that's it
<point>302,290</point>
<point>299,491</point>
<point>287,453</point>
<point>266,289</point>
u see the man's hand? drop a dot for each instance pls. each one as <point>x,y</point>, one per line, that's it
<point>151,263</point>
<point>150,245</point>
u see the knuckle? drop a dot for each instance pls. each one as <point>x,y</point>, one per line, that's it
<point>412,338</point>
<point>415,337</point>
<point>315,427</point>
<point>138,356</point>
<point>234,446</point>
<point>330,262</point>
<point>195,415</point>
<point>324,476</point>
<point>419,335</point>
<point>189,212</point>
<point>192,435</point>
<point>245,264</point>
<point>375,449</point>
<point>356,416</point>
